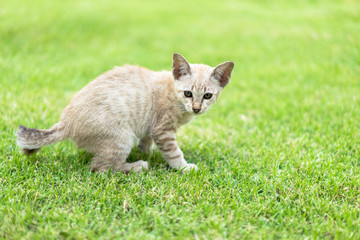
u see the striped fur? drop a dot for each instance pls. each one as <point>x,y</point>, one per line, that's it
<point>127,103</point>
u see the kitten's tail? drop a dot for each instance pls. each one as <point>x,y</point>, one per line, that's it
<point>31,140</point>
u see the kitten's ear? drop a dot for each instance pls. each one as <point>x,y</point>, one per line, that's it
<point>180,66</point>
<point>222,73</point>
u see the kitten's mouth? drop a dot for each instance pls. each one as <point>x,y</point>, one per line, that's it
<point>196,113</point>
<point>192,112</point>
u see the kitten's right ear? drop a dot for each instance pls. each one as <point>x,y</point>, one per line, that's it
<point>180,66</point>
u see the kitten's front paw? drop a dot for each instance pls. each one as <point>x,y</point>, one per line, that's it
<point>190,167</point>
<point>144,165</point>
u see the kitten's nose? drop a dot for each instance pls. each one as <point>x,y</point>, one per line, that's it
<point>196,110</point>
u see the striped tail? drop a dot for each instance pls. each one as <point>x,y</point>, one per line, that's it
<point>31,140</point>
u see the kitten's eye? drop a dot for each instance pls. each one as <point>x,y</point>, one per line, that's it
<point>207,95</point>
<point>188,94</point>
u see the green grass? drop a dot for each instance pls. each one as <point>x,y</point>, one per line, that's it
<point>279,154</point>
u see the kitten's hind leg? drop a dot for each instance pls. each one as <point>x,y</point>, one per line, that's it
<point>135,166</point>
<point>113,155</point>
<point>145,144</point>
<point>101,164</point>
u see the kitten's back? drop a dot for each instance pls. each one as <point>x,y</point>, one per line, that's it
<point>124,96</point>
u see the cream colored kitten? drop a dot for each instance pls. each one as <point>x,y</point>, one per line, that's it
<point>127,103</point>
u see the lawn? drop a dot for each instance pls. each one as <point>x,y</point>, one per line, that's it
<point>279,154</point>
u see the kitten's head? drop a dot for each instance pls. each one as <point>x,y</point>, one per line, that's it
<point>198,86</point>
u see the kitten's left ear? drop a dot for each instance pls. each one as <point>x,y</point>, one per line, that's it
<point>222,73</point>
<point>180,66</point>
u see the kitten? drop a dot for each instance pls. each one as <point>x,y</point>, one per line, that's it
<point>128,103</point>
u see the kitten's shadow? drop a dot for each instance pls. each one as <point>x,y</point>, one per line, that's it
<point>155,159</point>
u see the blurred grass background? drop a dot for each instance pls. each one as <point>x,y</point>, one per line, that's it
<point>279,152</point>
